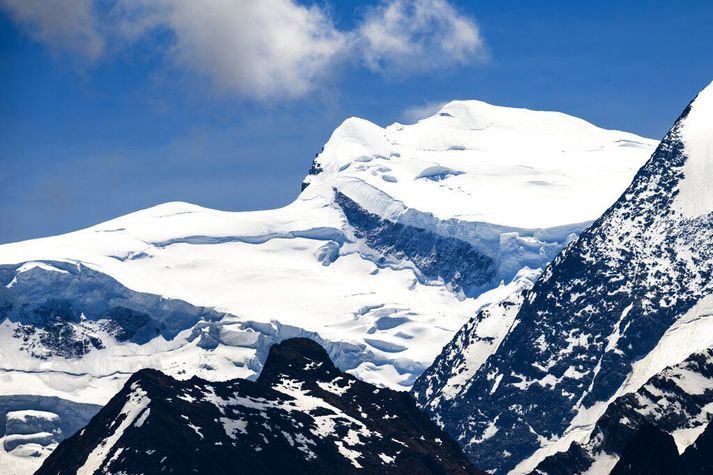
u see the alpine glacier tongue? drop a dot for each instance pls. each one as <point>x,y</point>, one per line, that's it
<point>612,298</point>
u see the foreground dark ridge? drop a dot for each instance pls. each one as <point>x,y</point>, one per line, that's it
<point>652,451</point>
<point>302,415</point>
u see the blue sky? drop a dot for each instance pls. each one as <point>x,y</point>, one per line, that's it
<point>109,106</point>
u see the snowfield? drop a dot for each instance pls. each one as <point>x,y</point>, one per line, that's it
<point>475,162</point>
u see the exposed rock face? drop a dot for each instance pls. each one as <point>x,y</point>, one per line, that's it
<point>676,401</point>
<point>65,310</point>
<point>651,451</point>
<point>438,258</point>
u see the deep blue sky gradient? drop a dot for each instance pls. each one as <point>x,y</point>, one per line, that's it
<point>80,144</point>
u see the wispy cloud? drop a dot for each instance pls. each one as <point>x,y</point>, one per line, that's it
<point>60,24</point>
<point>261,49</point>
<point>404,37</point>
<point>258,49</point>
<point>415,113</point>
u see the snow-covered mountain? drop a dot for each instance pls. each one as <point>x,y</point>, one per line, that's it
<point>399,236</point>
<point>608,338</point>
<point>302,415</point>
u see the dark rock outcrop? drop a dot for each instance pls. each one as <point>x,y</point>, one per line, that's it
<point>302,415</point>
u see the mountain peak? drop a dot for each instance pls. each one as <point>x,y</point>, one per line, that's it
<point>480,115</point>
<point>474,161</point>
<point>297,357</point>
<point>695,194</point>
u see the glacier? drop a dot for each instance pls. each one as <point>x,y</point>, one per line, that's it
<point>399,236</point>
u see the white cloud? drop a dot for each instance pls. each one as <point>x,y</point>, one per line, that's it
<point>60,24</point>
<point>402,37</point>
<point>260,49</point>
<point>253,48</point>
<point>415,113</point>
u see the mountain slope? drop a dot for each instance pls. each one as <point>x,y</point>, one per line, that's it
<point>451,373</point>
<point>302,415</point>
<point>650,451</point>
<point>677,401</point>
<point>591,328</point>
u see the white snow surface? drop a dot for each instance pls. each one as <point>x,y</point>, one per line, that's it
<point>29,414</point>
<point>474,171</point>
<point>23,453</point>
<point>695,192</point>
<point>473,161</point>
<point>691,333</point>
<point>24,459</point>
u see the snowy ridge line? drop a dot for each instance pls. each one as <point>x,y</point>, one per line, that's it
<point>137,404</point>
<point>686,287</point>
<point>447,175</point>
<point>694,198</point>
<point>691,333</point>
<point>475,151</point>
<point>382,298</point>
